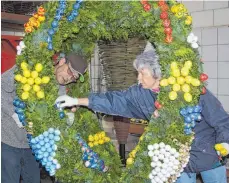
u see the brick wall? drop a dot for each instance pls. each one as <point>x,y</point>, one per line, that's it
<point>211,25</point>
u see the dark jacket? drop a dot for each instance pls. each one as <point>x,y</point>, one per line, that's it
<point>137,102</point>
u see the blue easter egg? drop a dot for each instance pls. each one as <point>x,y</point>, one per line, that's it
<point>188,131</point>
<point>183,112</point>
<point>19,111</point>
<point>45,160</point>
<point>51,32</point>
<point>57,138</point>
<point>50,158</point>
<point>46,139</point>
<point>45,133</point>
<point>38,146</point>
<point>43,149</point>
<point>70,18</point>
<point>192,116</point>
<point>51,142</point>
<point>80,1</point>
<point>58,17</point>
<point>190,109</point>
<point>40,156</point>
<point>62,6</point>
<point>46,154</point>
<point>51,130</point>
<point>51,136</point>
<point>41,137</point>
<point>61,115</point>
<point>43,163</point>
<point>75,13</point>
<point>47,145</point>
<point>40,152</point>
<point>22,105</point>
<point>188,119</point>
<point>23,123</point>
<point>49,39</point>
<point>57,132</point>
<point>49,164</point>
<point>53,154</point>
<point>49,149</point>
<point>33,146</point>
<point>21,117</point>
<point>16,102</point>
<point>193,124</point>
<point>41,142</point>
<point>197,108</point>
<point>50,46</point>
<point>187,125</point>
<point>55,24</point>
<point>54,147</point>
<point>33,141</point>
<point>76,6</point>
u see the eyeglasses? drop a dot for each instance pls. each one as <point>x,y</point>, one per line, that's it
<point>73,77</point>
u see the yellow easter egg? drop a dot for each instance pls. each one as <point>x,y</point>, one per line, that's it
<point>26,87</point>
<point>184,71</point>
<point>176,87</point>
<point>18,77</point>
<point>195,82</point>
<point>188,79</point>
<point>133,153</point>
<point>218,147</point>
<point>36,88</point>
<point>34,74</point>
<point>172,95</point>
<point>164,82</point>
<point>91,138</point>
<point>24,66</point>
<point>45,79</point>
<point>171,80</point>
<point>173,65</point>
<point>25,95</point>
<point>40,94</point>
<point>38,67</point>
<point>26,73</point>
<point>176,72</point>
<point>174,8</point>
<point>189,17</point>
<point>90,144</point>
<point>38,80</point>
<point>185,88</point>
<point>188,22</point>
<point>224,152</point>
<point>101,141</point>
<point>96,137</point>
<point>187,97</point>
<point>23,80</point>
<point>96,143</point>
<point>129,161</point>
<point>30,81</point>
<point>107,139</point>
<point>102,134</point>
<point>180,80</point>
<point>188,64</point>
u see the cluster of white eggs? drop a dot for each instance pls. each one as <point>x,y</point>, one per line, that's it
<point>164,163</point>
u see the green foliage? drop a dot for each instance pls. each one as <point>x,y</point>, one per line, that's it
<point>106,20</point>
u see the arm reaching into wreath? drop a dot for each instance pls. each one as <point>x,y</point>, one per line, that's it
<point>136,102</point>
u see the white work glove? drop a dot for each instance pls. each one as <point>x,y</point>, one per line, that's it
<point>222,149</point>
<point>66,101</point>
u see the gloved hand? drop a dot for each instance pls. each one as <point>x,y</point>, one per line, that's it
<point>66,101</point>
<point>222,149</point>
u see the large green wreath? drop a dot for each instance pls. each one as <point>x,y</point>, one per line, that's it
<point>112,21</point>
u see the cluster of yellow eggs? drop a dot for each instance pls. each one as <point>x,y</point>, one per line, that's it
<point>98,139</point>
<point>180,81</point>
<point>31,80</point>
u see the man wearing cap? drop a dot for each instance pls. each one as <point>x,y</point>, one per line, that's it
<point>68,69</point>
<point>17,159</point>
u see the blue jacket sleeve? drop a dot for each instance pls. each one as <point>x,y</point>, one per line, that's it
<point>215,115</point>
<point>135,102</point>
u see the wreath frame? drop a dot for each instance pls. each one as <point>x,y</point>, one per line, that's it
<point>109,21</point>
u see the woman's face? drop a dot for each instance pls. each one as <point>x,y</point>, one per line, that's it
<point>63,73</point>
<point>146,79</point>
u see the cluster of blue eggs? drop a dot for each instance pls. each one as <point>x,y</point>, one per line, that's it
<point>44,147</point>
<point>19,109</point>
<point>91,159</point>
<point>74,12</point>
<point>191,114</point>
<point>61,112</point>
<point>59,13</point>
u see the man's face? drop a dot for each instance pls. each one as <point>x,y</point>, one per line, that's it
<point>146,79</point>
<point>63,73</point>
